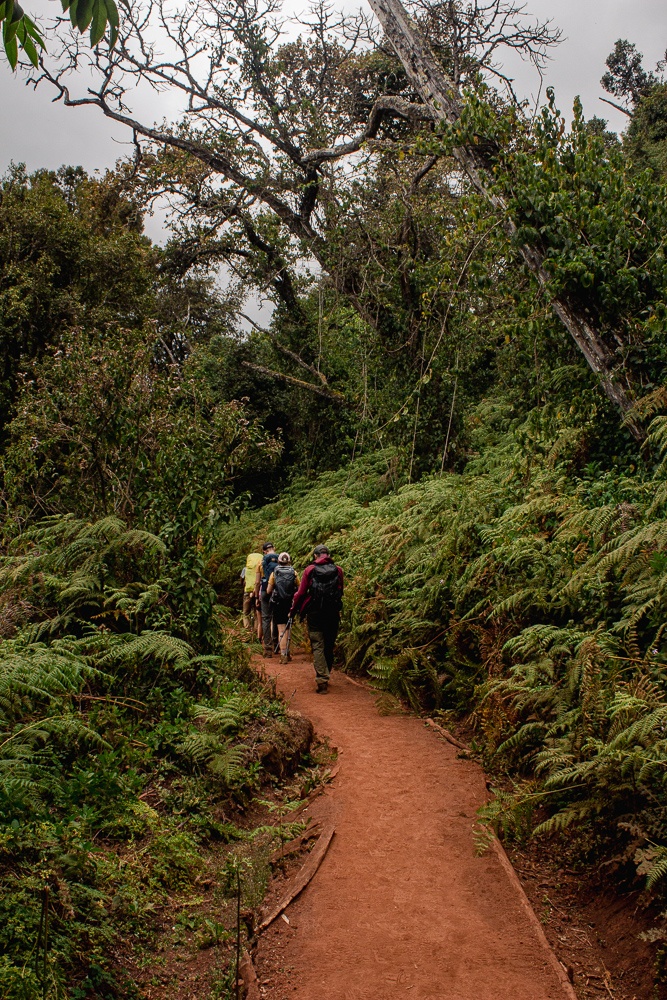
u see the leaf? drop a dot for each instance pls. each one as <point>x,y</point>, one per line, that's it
<point>17,13</point>
<point>27,34</point>
<point>11,48</point>
<point>112,12</point>
<point>9,30</point>
<point>28,47</point>
<point>84,14</point>
<point>114,21</point>
<point>32,31</point>
<point>99,22</point>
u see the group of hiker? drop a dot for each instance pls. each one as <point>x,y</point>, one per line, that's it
<point>273,594</point>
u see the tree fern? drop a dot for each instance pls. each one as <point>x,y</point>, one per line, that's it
<point>83,565</point>
<point>210,745</point>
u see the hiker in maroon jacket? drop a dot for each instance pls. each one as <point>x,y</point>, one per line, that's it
<point>319,599</point>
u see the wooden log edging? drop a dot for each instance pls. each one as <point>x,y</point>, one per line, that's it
<point>315,859</point>
<point>312,832</point>
<point>525,903</point>
<point>554,961</point>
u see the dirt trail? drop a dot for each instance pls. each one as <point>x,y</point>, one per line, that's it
<point>401,906</point>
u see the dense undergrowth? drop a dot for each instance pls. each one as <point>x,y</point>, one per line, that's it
<point>128,750</point>
<point>529,598</point>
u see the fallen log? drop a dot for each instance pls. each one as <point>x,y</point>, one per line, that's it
<point>314,861</point>
<point>448,736</point>
<point>292,846</point>
<point>556,964</point>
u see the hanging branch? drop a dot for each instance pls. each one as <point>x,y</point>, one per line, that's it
<point>285,350</point>
<point>619,107</point>
<point>320,390</point>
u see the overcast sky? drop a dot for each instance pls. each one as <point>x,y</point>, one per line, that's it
<point>42,134</point>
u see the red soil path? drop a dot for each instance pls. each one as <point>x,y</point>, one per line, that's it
<point>401,906</point>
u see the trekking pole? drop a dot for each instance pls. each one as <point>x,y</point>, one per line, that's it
<point>288,629</point>
<point>276,648</point>
<point>237,991</point>
<point>280,639</point>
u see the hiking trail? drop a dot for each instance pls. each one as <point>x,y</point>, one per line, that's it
<point>401,905</point>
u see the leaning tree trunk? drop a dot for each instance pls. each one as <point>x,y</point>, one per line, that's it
<point>440,93</point>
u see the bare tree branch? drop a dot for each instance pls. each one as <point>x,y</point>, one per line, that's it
<point>619,107</point>
<point>319,390</point>
<point>285,350</point>
<point>384,105</point>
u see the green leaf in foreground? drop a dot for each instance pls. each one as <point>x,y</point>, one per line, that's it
<point>19,31</point>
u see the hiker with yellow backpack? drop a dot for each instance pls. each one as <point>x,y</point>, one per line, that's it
<point>252,616</point>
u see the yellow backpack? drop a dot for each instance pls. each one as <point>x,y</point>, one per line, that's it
<point>252,562</point>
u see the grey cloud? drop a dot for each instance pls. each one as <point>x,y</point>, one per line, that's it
<point>43,134</point>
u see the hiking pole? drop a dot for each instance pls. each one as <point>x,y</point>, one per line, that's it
<point>238,934</point>
<point>288,629</point>
<point>279,639</point>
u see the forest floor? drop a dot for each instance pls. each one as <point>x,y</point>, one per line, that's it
<point>401,906</point>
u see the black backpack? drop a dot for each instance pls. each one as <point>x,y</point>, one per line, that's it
<point>284,584</point>
<point>324,590</point>
<point>269,563</point>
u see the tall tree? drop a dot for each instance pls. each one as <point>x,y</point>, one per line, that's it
<point>626,77</point>
<point>269,125</point>
<point>261,164</point>
<point>440,93</point>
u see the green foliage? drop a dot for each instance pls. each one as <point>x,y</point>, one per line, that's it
<point>103,428</point>
<point>19,30</point>
<point>646,137</point>
<point>504,544</point>
<point>626,77</point>
<point>71,254</point>
<point>530,596</point>
<point>601,227</point>
<point>100,714</point>
<point>74,262</point>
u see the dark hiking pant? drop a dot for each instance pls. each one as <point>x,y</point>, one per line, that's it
<point>269,630</point>
<point>322,633</point>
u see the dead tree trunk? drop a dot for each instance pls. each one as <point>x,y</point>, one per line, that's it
<point>439,92</point>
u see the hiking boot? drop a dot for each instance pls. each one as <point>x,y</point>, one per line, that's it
<point>289,657</point>
<point>268,654</point>
<point>322,687</point>
<point>283,658</point>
